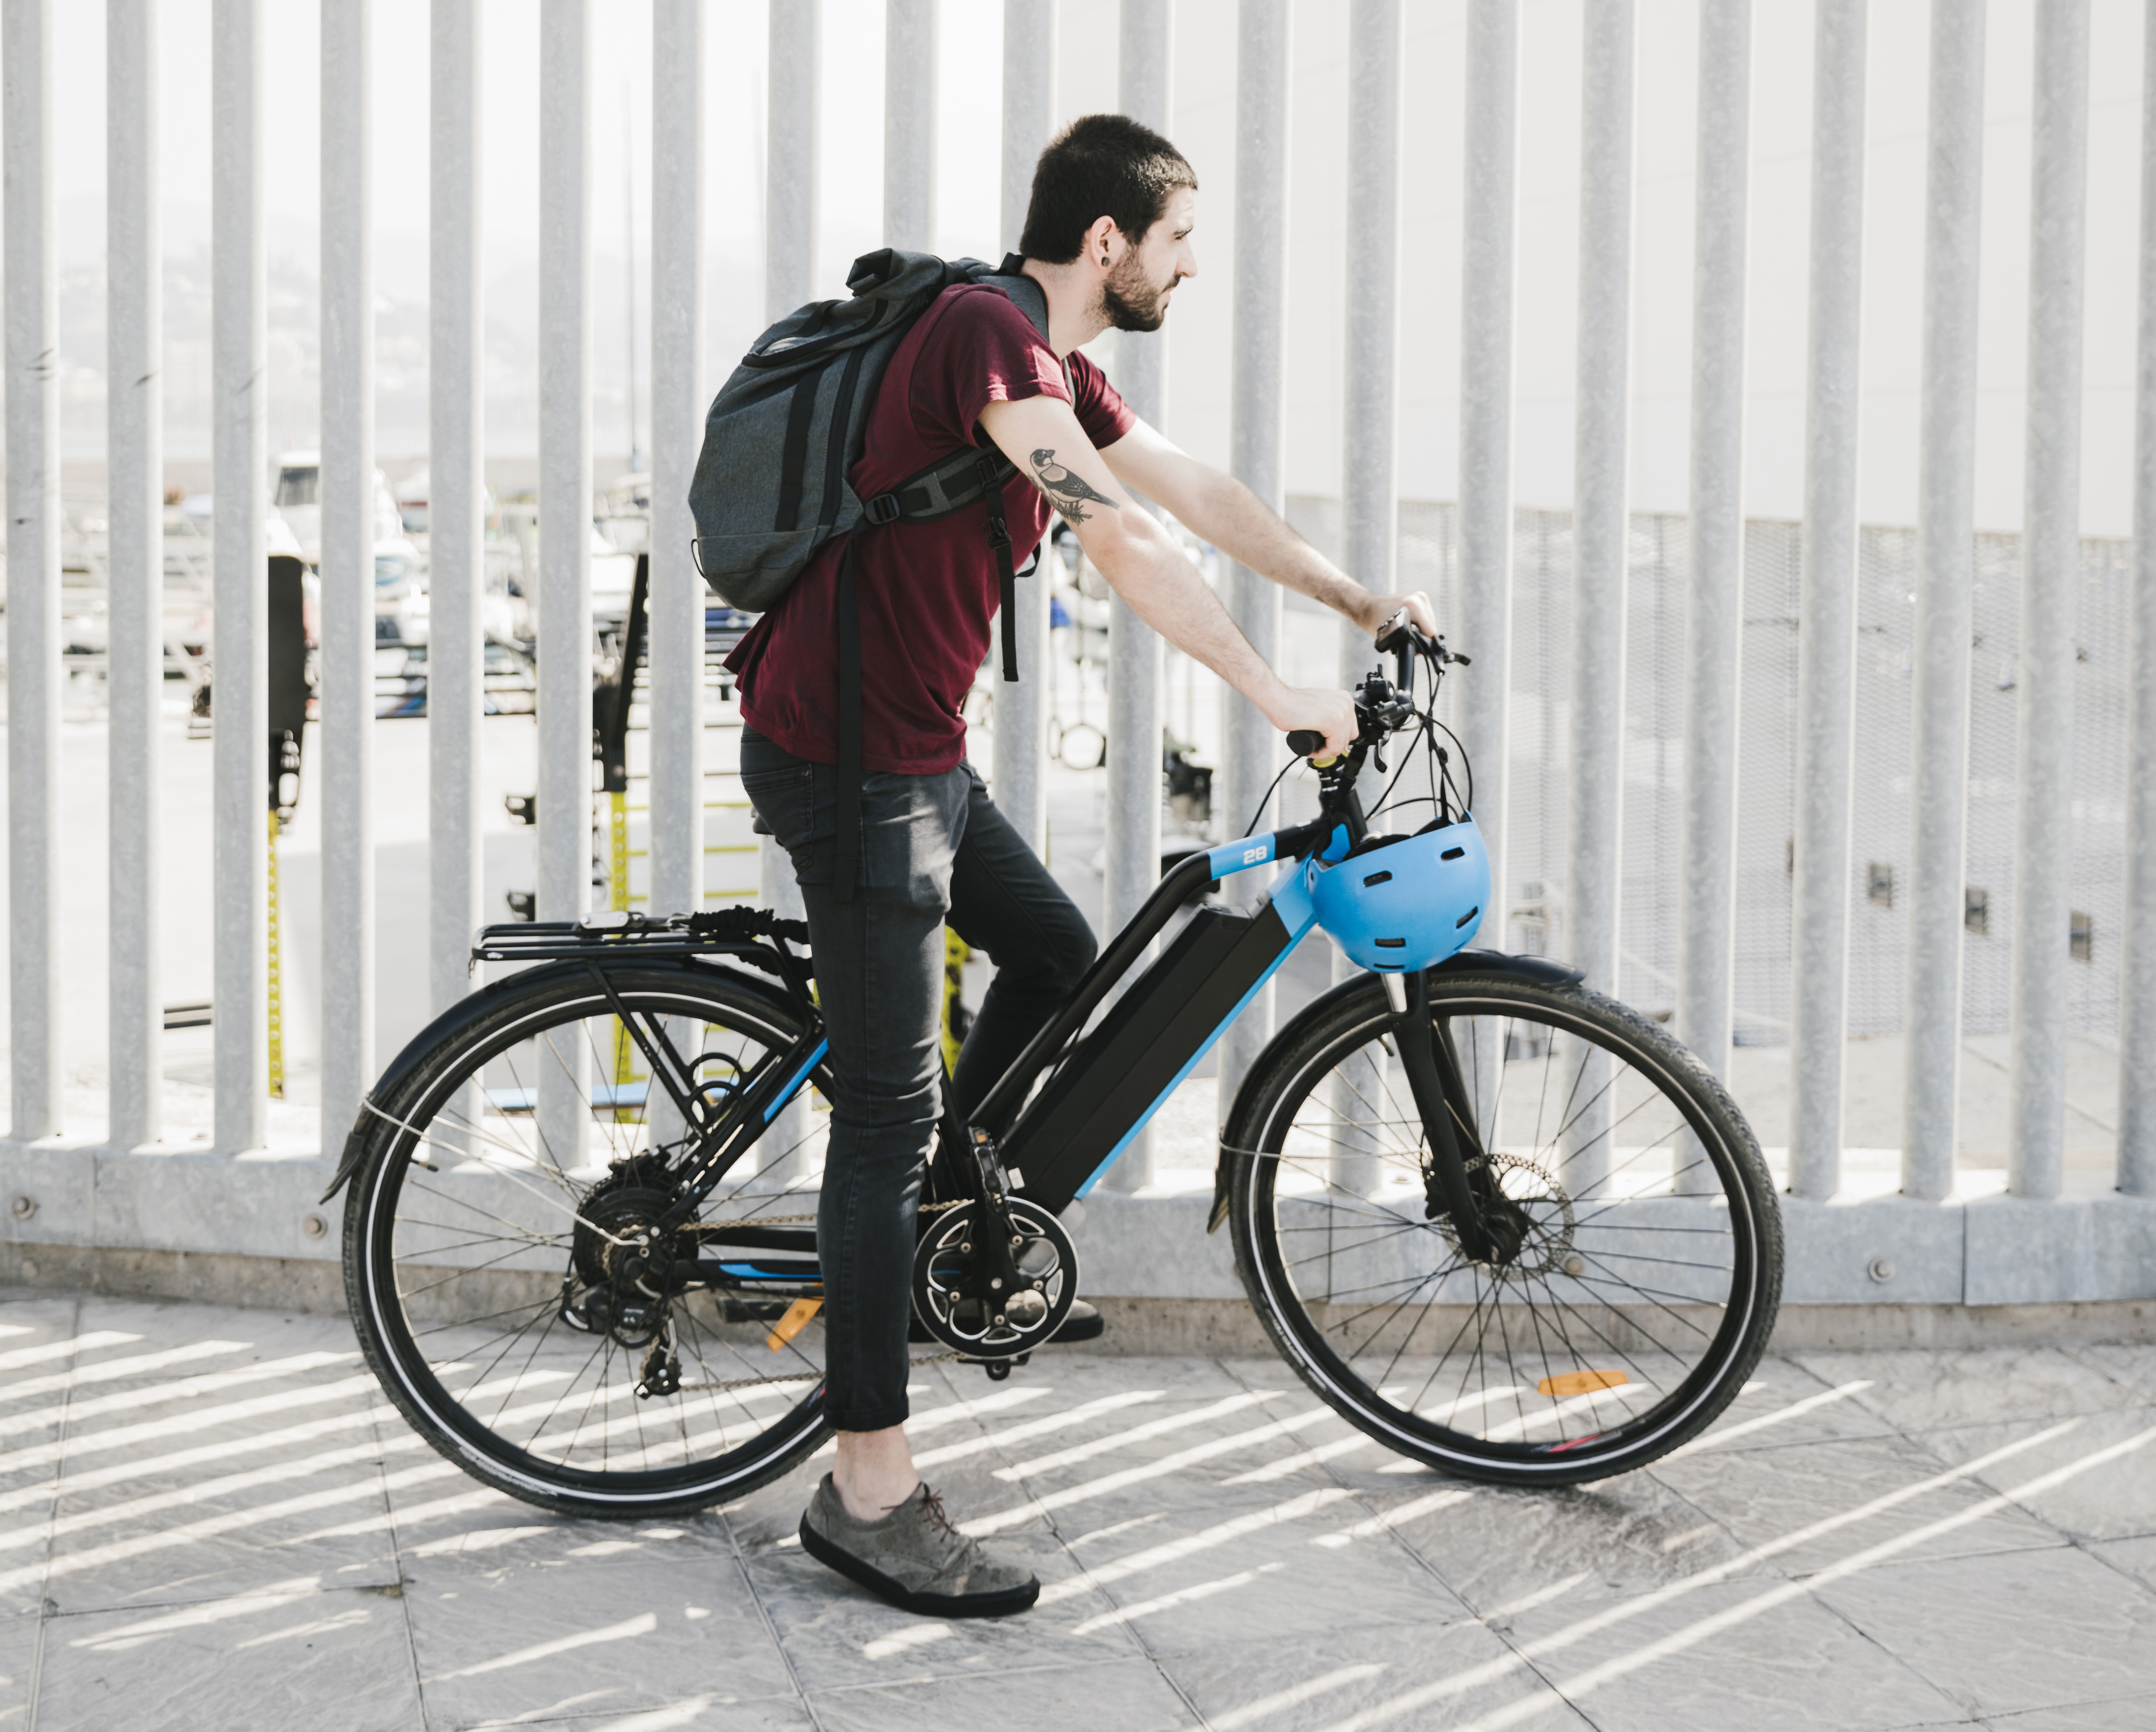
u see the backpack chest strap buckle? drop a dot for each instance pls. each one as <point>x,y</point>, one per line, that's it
<point>883,508</point>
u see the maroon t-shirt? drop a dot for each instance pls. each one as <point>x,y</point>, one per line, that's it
<point>927,592</point>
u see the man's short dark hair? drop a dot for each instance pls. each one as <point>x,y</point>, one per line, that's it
<point>1100,166</point>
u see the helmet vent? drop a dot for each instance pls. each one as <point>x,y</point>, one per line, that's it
<point>1459,923</point>
<point>1392,944</point>
<point>1377,877</point>
<point>1452,853</point>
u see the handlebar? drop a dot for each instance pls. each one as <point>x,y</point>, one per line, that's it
<point>1381,708</point>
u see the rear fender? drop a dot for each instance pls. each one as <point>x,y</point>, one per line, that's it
<point>1537,971</point>
<point>486,1001</point>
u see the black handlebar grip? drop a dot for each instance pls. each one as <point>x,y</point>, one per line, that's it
<point>1303,741</point>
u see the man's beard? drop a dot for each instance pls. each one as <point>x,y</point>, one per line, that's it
<point>1131,302</point>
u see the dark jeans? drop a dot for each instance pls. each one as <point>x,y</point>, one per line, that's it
<point>931,846</point>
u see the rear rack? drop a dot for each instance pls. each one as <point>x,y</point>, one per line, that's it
<point>736,931</point>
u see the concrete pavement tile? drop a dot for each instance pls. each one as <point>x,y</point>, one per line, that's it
<point>1075,1375</point>
<point>701,1712</point>
<point>2027,1629</point>
<point>1769,1498</point>
<point>1453,1676</point>
<point>1782,1402</point>
<point>270,1659</point>
<point>1126,1696</point>
<point>511,1535</point>
<point>19,1649</point>
<point>604,1639</point>
<point>1924,1390</point>
<point>697,1713</point>
<point>2093,1477</point>
<point>2129,1713</point>
<point>1185,1579</point>
<point>2134,1557</point>
<point>1240,1449</point>
<point>25,1543</point>
<point>1498,1548</point>
<point>2132,1364</point>
<point>836,1634</point>
<point>1758,1654</point>
<point>157,1538</point>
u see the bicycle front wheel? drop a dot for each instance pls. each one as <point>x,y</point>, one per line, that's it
<point>1649,1273</point>
<point>503,1175</point>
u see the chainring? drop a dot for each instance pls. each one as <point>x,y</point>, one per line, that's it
<point>950,1292</point>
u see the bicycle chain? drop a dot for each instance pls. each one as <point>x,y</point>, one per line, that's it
<point>798,1220</point>
<point>731,1383</point>
<point>936,1359</point>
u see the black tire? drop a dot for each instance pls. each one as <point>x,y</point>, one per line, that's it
<point>455,1275</point>
<point>1634,1314</point>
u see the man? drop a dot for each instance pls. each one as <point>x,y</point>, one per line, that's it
<point>1107,236</point>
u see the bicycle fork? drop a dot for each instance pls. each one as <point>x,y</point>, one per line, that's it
<point>1455,1157</point>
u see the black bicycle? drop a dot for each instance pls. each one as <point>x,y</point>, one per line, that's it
<point>1503,1224</point>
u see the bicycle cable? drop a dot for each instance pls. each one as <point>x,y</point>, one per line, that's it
<point>1251,828</point>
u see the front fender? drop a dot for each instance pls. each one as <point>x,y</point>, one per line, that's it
<point>485,1002</point>
<point>1540,971</point>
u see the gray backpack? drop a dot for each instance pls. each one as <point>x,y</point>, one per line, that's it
<point>781,437</point>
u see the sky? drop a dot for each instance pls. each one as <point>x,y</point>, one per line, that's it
<point>1321,253</point>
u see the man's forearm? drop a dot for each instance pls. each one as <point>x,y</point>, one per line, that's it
<point>1165,590</point>
<point>1239,523</point>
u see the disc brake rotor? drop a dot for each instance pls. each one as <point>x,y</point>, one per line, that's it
<point>1542,1211</point>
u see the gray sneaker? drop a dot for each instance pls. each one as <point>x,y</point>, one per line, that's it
<point>915,1558</point>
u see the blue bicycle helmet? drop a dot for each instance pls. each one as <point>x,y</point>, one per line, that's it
<point>1401,903</point>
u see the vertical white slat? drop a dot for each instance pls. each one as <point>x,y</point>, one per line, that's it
<point>790,156</point>
<point>1827,610</point>
<point>1019,765</point>
<point>1370,503</point>
<point>2050,598</point>
<point>565,521</point>
<point>1715,582</point>
<point>135,566</point>
<point>346,736</point>
<point>35,934</point>
<point>1484,626</point>
<point>456,503</point>
<point>1946,574</point>
<point>1145,85</point>
<point>1257,438</point>
<point>1601,533</point>
<point>909,125</point>
<point>789,255</point>
<point>677,368</point>
<point>2137,1019</point>
<point>239,667</point>
<point>1136,653</point>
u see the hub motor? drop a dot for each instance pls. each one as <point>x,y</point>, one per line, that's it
<point>1530,1216</point>
<point>619,1261</point>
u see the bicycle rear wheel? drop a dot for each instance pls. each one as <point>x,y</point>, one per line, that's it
<point>1650,1273</point>
<point>503,1174</point>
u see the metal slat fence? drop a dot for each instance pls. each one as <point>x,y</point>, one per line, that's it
<point>1971,880</point>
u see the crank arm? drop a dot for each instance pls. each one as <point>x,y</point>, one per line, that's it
<point>1450,1192</point>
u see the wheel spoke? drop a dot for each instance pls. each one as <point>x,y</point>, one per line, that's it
<point>485,1314</point>
<point>1602,1325</point>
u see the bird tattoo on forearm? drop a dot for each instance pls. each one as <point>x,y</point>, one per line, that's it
<point>1067,491</point>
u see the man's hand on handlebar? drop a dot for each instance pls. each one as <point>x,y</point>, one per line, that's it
<point>1329,714</point>
<point>1380,609</point>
